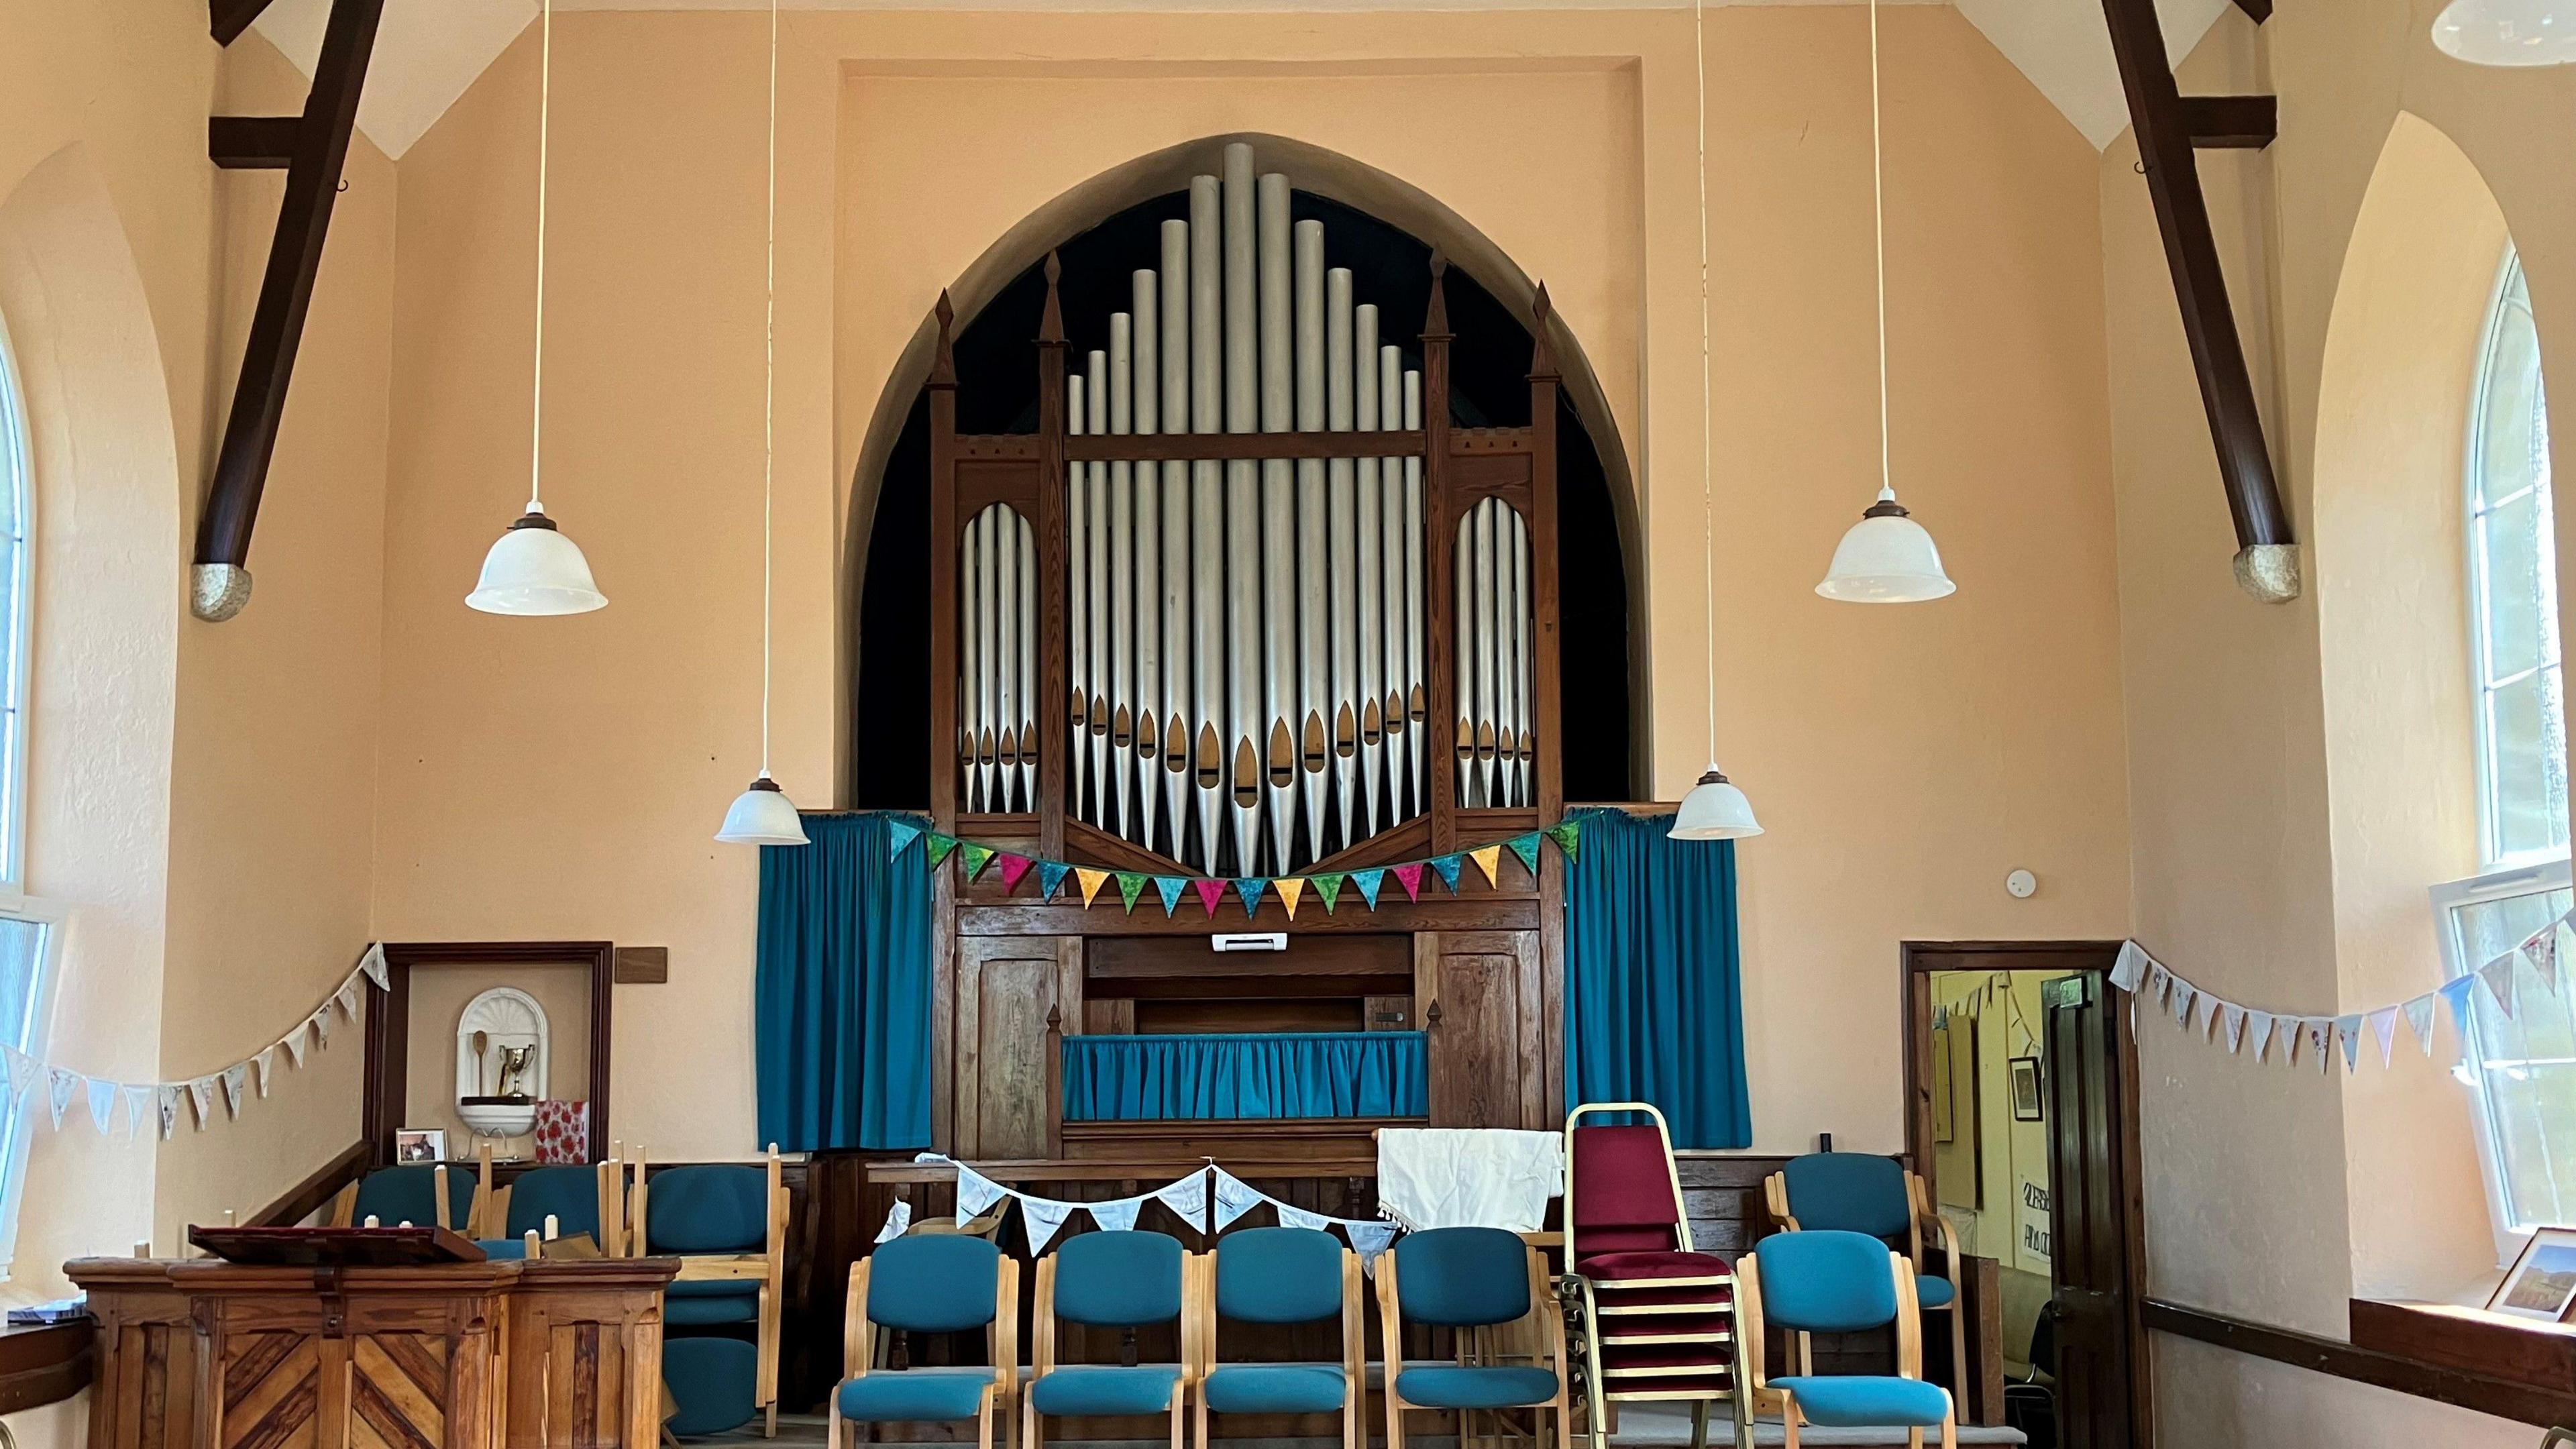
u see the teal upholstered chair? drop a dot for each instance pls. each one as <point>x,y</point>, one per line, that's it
<point>568,1196</point>
<point>1281,1275</point>
<point>1124,1279</point>
<point>1860,1192</point>
<point>727,1224</point>
<point>930,1283</point>
<point>1837,1282</point>
<point>1465,1279</point>
<point>409,1194</point>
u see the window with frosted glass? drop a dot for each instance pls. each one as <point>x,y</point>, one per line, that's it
<point>2513,565</point>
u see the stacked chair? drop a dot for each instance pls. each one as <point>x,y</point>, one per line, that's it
<point>1838,1282</point>
<point>727,1224</point>
<point>1656,1316</point>
<point>1282,1276</point>
<point>1470,1281</point>
<point>1875,1196</point>
<point>931,1283</point>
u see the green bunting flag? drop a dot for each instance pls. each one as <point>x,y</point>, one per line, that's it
<point>940,845</point>
<point>1526,848</point>
<point>1568,837</point>
<point>975,857</point>
<point>1448,866</point>
<point>899,835</point>
<point>1130,886</point>
<point>1171,886</point>
<point>1329,887</point>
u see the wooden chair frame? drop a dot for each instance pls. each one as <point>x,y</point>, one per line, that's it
<point>1200,1285</point>
<point>1919,1213</point>
<point>492,1206</point>
<point>1760,1396</point>
<point>1042,1351</point>
<point>768,1267</point>
<point>1001,1341</point>
<point>1597,1394</point>
<point>1551,1349</point>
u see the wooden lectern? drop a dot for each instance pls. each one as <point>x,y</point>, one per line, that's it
<point>206,1354</point>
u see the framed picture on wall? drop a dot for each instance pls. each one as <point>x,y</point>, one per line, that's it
<point>2542,1282</point>
<point>420,1144</point>
<point>2023,1073</point>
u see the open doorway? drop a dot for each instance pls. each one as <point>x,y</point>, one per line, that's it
<point>2022,1119</point>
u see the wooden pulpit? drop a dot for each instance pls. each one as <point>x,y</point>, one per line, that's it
<point>206,1354</point>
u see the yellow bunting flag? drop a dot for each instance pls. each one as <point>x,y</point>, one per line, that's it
<point>1092,881</point>
<point>1490,861</point>
<point>1290,888</point>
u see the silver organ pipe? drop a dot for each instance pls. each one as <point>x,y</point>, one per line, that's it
<point>997,658</point>
<point>970,661</point>
<point>1024,763</point>
<point>1496,756</point>
<point>1254,628</point>
<point>1524,759</point>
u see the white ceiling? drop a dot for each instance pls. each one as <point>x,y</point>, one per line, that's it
<point>429,51</point>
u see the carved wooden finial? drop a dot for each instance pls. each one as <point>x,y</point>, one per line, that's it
<point>1055,1017</point>
<point>1542,350</point>
<point>1435,318</point>
<point>943,357</point>
<point>1051,322</point>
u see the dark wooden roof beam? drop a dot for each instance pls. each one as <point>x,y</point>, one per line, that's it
<point>253,143</point>
<point>2246,123</point>
<point>229,18</point>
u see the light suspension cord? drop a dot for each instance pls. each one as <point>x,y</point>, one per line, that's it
<point>1707,504</point>
<point>769,392</point>
<point>545,107</point>
<point>1878,214</point>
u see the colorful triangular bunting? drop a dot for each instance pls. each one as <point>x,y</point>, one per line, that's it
<point>1328,888</point>
<point>1525,847</point>
<point>1170,888</point>
<point>1051,878</point>
<point>1130,886</point>
<point>1210,891</point>
<point>973,858</point>
<point>1290,888</point>
<point>1410,877</point>
<point>939,847</point>
<point>1091,881</point>
<point>1568,836</point>
<point>1489,859</point>
<point>1013,868</point>
<point>1250,888</point>
<point>899,835</point>
<point>1370,882</point>
<point>1448,865</point>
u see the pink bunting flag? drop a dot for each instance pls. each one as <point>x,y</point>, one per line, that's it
<point>1013,867</point>
<point>1210,892</point>
<point>1410,877</point>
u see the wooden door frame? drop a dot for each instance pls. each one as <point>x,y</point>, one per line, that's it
<point>1918,961</point>
<point>385,1098</point>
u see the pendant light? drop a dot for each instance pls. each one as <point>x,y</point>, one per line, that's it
<point>2508,32</point>
<point>1886,558</point>
<point>762,814</point>
<point>533,569</point>
<point>1714,809</point>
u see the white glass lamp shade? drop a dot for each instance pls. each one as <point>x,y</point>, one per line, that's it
<point>533,569</point>
<point>2508,32</point>
<point>762,815</point>
<point>1714,810</point>
<point>1886,558</point>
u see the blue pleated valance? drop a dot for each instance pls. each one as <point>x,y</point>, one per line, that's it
<point>1245,1074</point>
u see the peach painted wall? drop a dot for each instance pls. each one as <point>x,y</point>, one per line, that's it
<point>2274,1194</point>
<point>561,778</point>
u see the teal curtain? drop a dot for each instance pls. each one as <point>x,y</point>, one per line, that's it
<point>1654,1006</point>
<point>1246,1074</point>
<point>841,988</point>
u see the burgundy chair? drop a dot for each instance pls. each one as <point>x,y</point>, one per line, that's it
<point>1658,1316</point>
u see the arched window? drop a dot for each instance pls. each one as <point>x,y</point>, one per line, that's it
<point>2513,593</point>
<point>29,929</point>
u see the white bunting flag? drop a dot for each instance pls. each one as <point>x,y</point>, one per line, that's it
<point>1187,1197</point>
<point>898,1218</point>
<point>2541,950</point>
<point>59,1087</point>
<point>2419,1020</point>
<point>2498,975</point>
<point>2208,1019</point>
<point>2316,1034</point>
<point>1368,1240</point>
<point>1291,1216</point>
<point>234,1078</point>
<point>1043,1217</point>
<point>347,999</point>
<point>2183,991</point>
<point>297,1042</point>
<point>2159,980</point>
<point>2233,1016</point>
<point>321,1024</point>
<point>2131,967</point>
<point>2259,1023</point>
<point>975,1192</point>
<point>267,1062</point>
<point>1234,1198</point>
<point>102,1103</point>
<point>201,1095</point>
<point>1117,1216</point>
<point>22,1071</point>
<point>373,963</point>
<point>2383,1025</point>
<point>2348,1036</point>
<point>168,1107</point>
<point>138,1105</point>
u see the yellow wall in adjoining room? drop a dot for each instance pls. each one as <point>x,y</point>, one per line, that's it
<point>560,778</point>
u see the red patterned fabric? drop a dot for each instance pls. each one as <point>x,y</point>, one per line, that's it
<point>563,1132</point>
<point>1620,1267</point>
<point>1622,1179</point>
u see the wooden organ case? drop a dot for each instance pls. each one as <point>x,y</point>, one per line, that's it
<point>1246,604</point>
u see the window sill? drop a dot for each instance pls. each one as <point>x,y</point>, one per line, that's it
<point>2522,1352</point>
<point>45,1363</point>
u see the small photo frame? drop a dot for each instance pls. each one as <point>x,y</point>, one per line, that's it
<point>415,1145</point>
<point>2026,1088</point>
<point>2541,1284</point>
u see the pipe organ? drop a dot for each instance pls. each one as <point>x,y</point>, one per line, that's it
<point>1246,604</point>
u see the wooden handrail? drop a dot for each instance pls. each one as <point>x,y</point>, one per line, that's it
<point>2523,1402</point>
<point>307,1197</point>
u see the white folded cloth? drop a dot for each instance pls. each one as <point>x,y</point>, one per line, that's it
<point>1450,1177</point>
